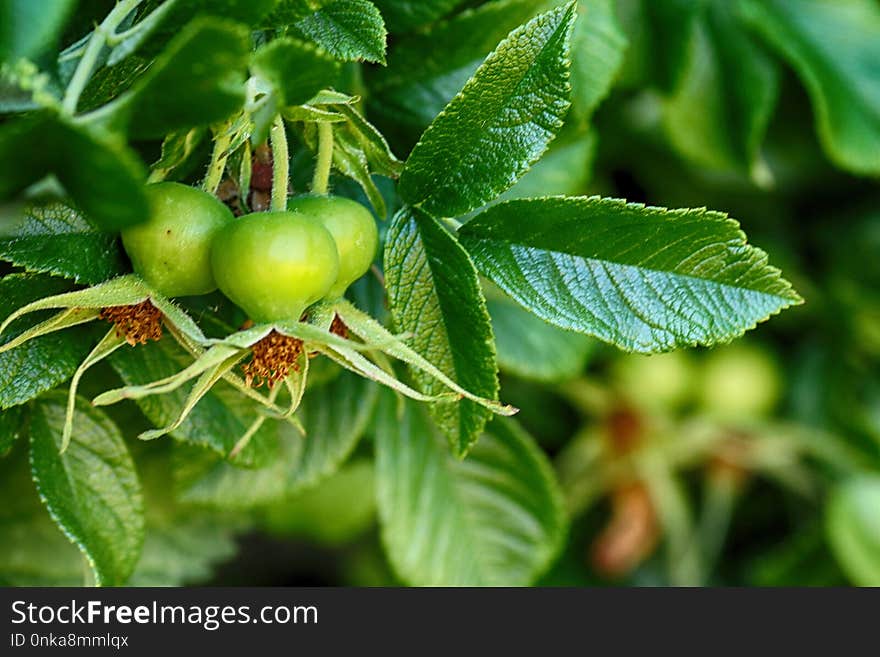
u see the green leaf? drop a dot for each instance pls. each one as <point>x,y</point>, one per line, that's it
<point>10,428</point>
<point>670,27</point>
<point>565,170</point>
<point>435,295</point>
<point>350,30</point>
<point>102,176</point>
<point>198,79</point>
<point>645,279</point>
<point>335,417</point>
<point>28,29</point>
<point>597,49</point>
<point>296,70</point>
<point>35,552</point>
<point>719,114</point>
<point>43,363</point>
<point>403,15</point>
<point>92,490</point>
<point>531,348</point>
<point>499,124</point>
<point>853,528</point>
<point>56,239</point>
<point>494,519</point>
<point>833,46</point>
<point>426,69</point>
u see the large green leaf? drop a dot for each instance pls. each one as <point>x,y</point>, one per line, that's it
<point>645,279</point>
<point>55,239</point>
<point>296,70</point>
<point>495,518</point>
<point>102,176</point>
<point>499,124</point>
<point>428,68</point>
<point>41,364</point>
<point>531,348</point>
<point>720,111</point>
<point>853,528</point>
<point>435,295</point>
<point>350,30</point>
<point>597,49</point>
<point>834,45</point>
<point>92,490</point>
<point>28,28</point>
<point>198,79</point>
<point>402,15</point>
<point>335,416</point>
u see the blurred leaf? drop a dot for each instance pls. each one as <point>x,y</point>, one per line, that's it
<point>645,279</point>
<point>56,239</point>
<point>597,50</point>
<point>428,68</point>
<point>183,553</point>
<point>403,15</point>
<point>198,79</point>
<point>43,363</point>
<point>296,70</point>
<point>435,295</point>
<point>101,174</point>
<point>721,109</point>
<point>35,552</point>
<point>531,348</point>
<point>335,416</point>
<point>499,125</point>
<point>335,512</point>
<point>670,26</point>
<point>834,45</point>
<point>92,490</point>
<point>853,528</point>
<point>29,29</point>
<point>494,519</point>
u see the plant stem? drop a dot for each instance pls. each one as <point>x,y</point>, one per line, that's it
<point>280,164</point>
<point>98,40</point>
<point>218,160</point>
<point>321,181</point>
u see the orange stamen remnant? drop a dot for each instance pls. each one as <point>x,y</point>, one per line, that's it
<point>272,359</point>
<point>139,323</point>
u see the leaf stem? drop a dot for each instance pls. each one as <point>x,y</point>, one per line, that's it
<point>218,160</point>
<point>321,181</point>
<point>280,164</point>
<point>98,40</point>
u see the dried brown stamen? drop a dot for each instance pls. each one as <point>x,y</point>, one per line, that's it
<point>272,358</point>
<point>139,323</point>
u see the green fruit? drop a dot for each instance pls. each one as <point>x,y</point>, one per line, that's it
<point>660,381</point>
<point>353,229</point>
<point>740,382</point>
<point>171,251</point>
<point>274,265</point>
<point>853,528</point>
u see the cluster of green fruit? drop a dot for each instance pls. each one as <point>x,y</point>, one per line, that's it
<point>273,265</point>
